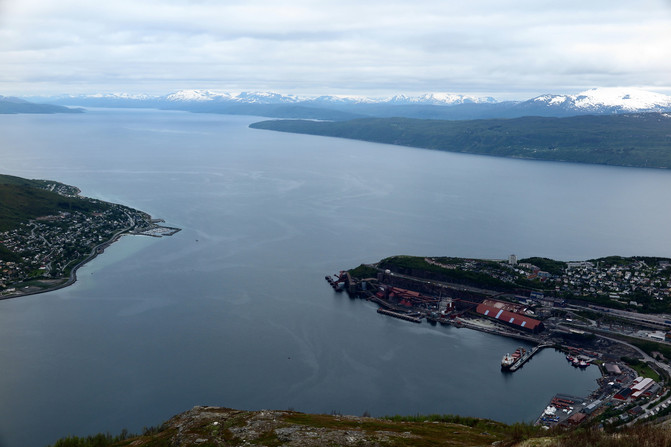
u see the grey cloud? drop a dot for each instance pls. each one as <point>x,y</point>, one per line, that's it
<point>333,45</point>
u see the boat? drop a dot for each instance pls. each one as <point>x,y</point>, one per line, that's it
<point>510,359</point>
<point>507,361</point>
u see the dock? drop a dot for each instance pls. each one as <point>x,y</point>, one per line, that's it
<point>560,408</point>
<point>338,284</point>
<point>398,315</point>
<point>526,356</point>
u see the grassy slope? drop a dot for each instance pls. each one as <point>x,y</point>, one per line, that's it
<point>417,266</point>
<point>277,428</point>
<point>642,140</point>
<point>211,427</point>
<point>21,200</point>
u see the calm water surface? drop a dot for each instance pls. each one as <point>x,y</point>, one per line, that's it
<point>234,310</point>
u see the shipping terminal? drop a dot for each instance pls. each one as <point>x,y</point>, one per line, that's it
<point>528,315</point>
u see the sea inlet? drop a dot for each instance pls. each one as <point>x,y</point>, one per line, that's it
<point>233,310</point>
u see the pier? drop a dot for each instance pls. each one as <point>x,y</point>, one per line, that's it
<point>525,358</point>
<point>399,315</point>
<point>338,284</point>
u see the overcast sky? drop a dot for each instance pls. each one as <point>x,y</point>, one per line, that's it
<point>506,49</point>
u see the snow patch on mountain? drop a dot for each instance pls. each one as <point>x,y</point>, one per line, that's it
<point>440,98</point>
<point>242,97</point>
<point>140,96</point>
<point>342,99</point>
<point>266,98</point>
<point>552,100</point>
<point>197,95</point>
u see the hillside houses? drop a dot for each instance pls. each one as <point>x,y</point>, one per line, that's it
<point>49,246</point>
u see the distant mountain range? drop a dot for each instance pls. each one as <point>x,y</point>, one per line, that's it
<point>202,96</point>
<point>597,101</point>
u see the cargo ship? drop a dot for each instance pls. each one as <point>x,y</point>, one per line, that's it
<point>511,359</point>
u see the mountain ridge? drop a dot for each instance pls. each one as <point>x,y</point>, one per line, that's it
<point>436,105</point>
<point>13,105</point>
<point>629,98</point>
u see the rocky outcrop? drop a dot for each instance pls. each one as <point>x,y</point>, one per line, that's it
<point>215,426</point>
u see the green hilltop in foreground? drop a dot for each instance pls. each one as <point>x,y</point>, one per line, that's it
<point>638,140</point>
<point>215,426</point>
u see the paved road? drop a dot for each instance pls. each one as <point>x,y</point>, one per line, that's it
<point>645,356</point>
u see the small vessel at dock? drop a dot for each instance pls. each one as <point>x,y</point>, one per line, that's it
<point>578,361</point>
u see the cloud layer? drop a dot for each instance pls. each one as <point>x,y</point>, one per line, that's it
<point>325,46</point>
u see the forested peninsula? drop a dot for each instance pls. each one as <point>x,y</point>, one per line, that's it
<point>637,140</point>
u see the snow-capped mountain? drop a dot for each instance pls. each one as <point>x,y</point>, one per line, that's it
<point>242,97</point>
<point>439,99</point>
<point>342,99</point>
<point>277,98</point>
<point>266,98</point>
<point>197,95</point>
<point>109,96</point>
<point>450,106</point>
<point>607,100</point>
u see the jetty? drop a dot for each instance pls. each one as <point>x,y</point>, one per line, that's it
<point>405,317</point>
<point>526,356</point>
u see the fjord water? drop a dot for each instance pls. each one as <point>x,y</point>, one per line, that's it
<point>234,310</point>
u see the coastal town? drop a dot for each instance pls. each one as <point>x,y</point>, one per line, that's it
<point>45,252</point>
<point>637,282</point>
<point>591,311</point>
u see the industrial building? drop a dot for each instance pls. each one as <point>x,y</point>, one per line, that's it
<point>510,318</point>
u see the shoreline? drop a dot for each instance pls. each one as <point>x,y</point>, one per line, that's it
<point>404,296</point>
<point>97,250</point>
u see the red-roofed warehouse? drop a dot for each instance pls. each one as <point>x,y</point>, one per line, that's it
<point>510,318</point>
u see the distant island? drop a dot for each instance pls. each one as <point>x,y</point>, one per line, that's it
<point>11,105</point>
<point>47,231</point>
<point>635,140</point>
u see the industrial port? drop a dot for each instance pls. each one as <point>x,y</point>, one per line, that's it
<point>623,395</point>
